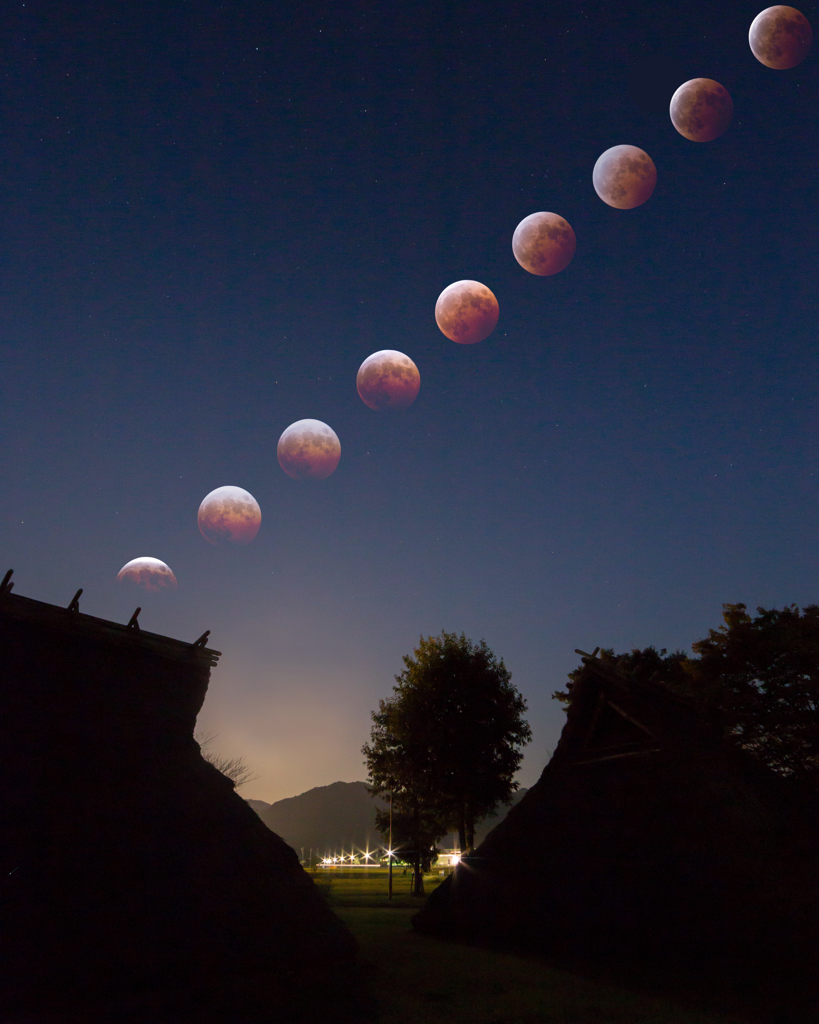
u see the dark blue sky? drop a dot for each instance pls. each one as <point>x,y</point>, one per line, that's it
<point>211,214</point>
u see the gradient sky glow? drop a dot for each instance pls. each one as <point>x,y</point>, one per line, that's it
<point>211,214</point>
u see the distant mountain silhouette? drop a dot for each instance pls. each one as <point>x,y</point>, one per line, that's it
<point>327,818</point>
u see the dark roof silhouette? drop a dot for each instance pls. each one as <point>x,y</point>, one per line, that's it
<point>70,620</point>
<point>649,840</point>
<point>135,883</point>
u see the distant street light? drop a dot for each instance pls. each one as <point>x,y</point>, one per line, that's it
<point>389,852</point>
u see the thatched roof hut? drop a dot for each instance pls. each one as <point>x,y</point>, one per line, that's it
<point>650,841</point>
<point>135,883</point>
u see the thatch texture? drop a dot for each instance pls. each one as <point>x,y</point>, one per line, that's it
<point>649,841</point>
<point>132,873</point>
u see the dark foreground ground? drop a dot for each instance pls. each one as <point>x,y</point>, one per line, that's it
<point>417,979</point>
<point>410,978</point>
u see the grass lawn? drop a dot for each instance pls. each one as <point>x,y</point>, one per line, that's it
<point>418,979</point>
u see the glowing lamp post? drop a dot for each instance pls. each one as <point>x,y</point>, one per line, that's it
<point>389,852</point>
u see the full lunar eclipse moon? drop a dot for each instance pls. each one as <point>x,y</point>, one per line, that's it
<point>148,574</point>
<point>309,450</point>
<point>544,243</point>
<point>466,312</point>
<point>780,37</point>
<point>624,177</point>
<point>229,514</point>
<point>388,380</point>
<point>701,109</point>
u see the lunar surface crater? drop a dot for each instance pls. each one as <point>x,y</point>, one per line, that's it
<point>780,37</point>
<point>309,450</point>
<point>466,312</point>
<point>624,177</point>
<point>230,515</point>
<point>544,243</point>
<point>701,110</point>
<point>388,380</point>
<point>147,573</point>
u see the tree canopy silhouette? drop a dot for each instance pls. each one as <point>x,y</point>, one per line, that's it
<point>448,742</point>
<point>755,678</point>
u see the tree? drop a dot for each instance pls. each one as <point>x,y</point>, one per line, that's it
<point>235,768</point>
<point>397,765</point>
<point>754,679</point>
<point>448,743</point>
<point>759,679</point>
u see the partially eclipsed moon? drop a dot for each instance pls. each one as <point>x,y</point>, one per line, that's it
<point>624,177</point>
<point>229,514</point>
<point>466,312</point>
<point>780,37</point>
<point>388,380</point>
<point>309,450</point>
<point>148,574</point>
<point>701,109</point>
<point>544,243</point>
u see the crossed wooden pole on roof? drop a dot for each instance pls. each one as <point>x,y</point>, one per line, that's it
<point>74,606</point>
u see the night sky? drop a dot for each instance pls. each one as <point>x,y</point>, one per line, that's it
<point>211,214</point>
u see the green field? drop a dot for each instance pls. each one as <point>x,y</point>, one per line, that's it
<point>418,979</point>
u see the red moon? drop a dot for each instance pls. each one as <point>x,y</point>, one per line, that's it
<point>701,109</point>
<point>624,177</point>
<point>466,312</point>
<point>544,243</point>
<point>148,574</point>
<point>229,514</point>
<point>780,37</point>
<point>309,450</point>
<point>388,380</point>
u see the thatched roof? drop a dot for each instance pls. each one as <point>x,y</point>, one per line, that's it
<point>651,839</point>
<point>132,872</point>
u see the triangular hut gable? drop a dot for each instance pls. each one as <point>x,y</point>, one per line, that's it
<point>613,732</point>
<point>612,717</point>
<point>132,874</point>
<point>651,842</point>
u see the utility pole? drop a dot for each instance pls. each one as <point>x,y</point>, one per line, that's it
<point>389,852</point>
